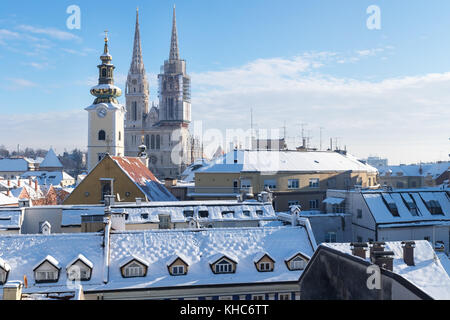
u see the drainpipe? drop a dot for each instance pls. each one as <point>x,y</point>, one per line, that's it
<point>106,250</point>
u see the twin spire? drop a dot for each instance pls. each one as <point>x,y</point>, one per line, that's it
<point>137,63</point>
<point>174,51</point>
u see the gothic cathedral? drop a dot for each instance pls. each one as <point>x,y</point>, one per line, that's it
<point>163,129</point>
<point>106,115</point>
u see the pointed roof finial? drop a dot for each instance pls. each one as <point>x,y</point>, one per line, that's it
<point>174,51</point>
<point>106,42</point>
<point>137,64</point>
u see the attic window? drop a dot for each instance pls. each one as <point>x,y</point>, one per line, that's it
<point>80,269</point>
<point>298,264</point>
<point>203,214</point>
<point>259,212</point>
<point>410,204</point>
<point>390,204</point>
<point>434,207</point>
<point>246,213</point>
<point>177,270</point>
<point>144,215</point>
<point>228,214</point>
<point>47,271</point>
<point>224,266</point>
<point>188,213</point>
<point>134,269</point>
<point>265,266</point>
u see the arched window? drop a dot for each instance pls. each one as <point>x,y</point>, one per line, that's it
<point>120,135</point>
<point>158,142</point>
<point>104,72</point>
<point>153,142</point>
<point>101,135</point>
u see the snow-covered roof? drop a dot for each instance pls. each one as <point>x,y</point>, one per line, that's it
<point>188,174</point>
<point>428,273</point>
<point>83,259</point>
<point>47,177</point>
<point>149,212</point>
<point>331,200</point>
<point>51,160</point>
<point>5,266</point>
<point>285,161</point>
<point>144,179</point>
<point>416,170</point>
<point>25,252</point>
<point>13,165</point>
<point>156,248</point>
<point>10,219</point>
<point>7,200</point>
<point>201,247</point>
<point>376,201</point>
<point>50,259</point>
<point>133,257</point>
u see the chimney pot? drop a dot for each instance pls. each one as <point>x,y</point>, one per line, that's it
<point>383,259</point>
<point>408,252</point>
<point>376,246</point>
<point>359,249</point>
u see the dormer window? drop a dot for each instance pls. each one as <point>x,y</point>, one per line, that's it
<point>188,213</point>
<point>134,268</point>
<point>246,213</point>
<point>79,269</point>
<point>264,262</point>
<point>228,214</point>
<point>297,262</point>
<point>178,265</point>
<point>47,270</point>
<point>4,271</point>
<point>203,214</point>
<point>223,265</point>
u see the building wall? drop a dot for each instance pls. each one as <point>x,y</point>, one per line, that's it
<point>106,169</point>
<point>223,183</point>
<point>323,224</point>
<point>333,277</point>
<point>243,292</point>
<point>431,233</point>
<point>34,215</point>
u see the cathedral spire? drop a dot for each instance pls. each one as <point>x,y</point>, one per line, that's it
<point>137,63</point>
<point>174,51</point>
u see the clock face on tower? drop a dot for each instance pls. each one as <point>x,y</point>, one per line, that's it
<point>101,112</point>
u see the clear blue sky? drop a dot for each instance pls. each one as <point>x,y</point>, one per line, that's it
<point>45,72</point>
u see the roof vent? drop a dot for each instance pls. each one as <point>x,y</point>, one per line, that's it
<point>408,252</point>
<point>359,249</point>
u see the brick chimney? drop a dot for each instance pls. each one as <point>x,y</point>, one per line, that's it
<point>18,182</point>
<point>35,185</point>
<point>383,259</point>
<point>29,181</point>
<point>359,249</point>
<point>408,252</point>
<point>9,183</point>
<point>376,246</point>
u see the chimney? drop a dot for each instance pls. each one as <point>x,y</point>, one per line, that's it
<point>138,201</point>
<point>408,252</point>
<point>359,249</point>
<point>383,259</point>
<point>18,182</point>
<point>12,290</point>
<point>35,185</point>
<point>29,181</point>
<point>8,192</point>
<point>376,246</point>
<point>9,183</point>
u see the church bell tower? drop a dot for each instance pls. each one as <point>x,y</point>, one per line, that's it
<point>106,114</point>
